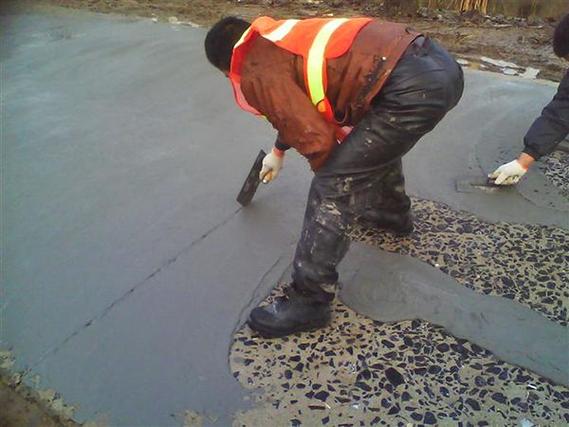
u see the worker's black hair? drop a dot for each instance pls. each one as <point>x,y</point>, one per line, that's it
<point>561,38</point>
<point>220,40</point>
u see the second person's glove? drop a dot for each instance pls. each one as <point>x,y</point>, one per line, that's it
<point>508,174</point>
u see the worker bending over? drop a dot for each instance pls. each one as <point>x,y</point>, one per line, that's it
<point>315,80</point>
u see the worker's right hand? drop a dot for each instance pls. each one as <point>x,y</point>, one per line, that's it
<point>272,164</point>
<point>508,174</point>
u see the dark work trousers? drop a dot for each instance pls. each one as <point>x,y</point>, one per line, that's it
<point>363,179</point>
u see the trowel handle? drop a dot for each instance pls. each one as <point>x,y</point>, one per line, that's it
<point>265,175</point>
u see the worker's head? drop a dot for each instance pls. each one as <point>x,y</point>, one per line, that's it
<point>561,38</point>
<point>220,40</point>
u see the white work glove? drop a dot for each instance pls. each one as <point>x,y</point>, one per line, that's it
<point>508,174</point>
<point>272,164</point>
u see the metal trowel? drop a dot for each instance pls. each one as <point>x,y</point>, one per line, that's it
<point>252,181</point>
<point>470,184</point>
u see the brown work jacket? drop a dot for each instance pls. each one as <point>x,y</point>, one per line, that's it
<point>272,81</point>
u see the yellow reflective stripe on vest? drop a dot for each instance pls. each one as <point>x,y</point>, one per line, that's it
<point>315,60</point>
<point>282,31</point>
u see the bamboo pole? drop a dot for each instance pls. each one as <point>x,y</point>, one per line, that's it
<point>469,5</point>
<point>464,5</point>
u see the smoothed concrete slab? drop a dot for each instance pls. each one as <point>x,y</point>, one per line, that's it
<point>125,155</point>
<point>164,350</point>
<point>113,166</point>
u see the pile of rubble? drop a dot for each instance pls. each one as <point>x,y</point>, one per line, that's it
<point>478,19</point>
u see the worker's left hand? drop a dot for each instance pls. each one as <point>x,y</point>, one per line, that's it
<point>272,164</point>
<point>508,174</point>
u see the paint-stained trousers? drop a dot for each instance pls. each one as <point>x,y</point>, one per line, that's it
<point>363,179</point>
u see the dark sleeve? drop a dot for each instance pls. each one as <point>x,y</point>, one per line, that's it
<point>552,126</point>
<point>279,145</point>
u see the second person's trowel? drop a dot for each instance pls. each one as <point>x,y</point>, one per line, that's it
<point>470,184</point>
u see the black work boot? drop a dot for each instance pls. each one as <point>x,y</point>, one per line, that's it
<point>291,313</point>
<point>400,224</point>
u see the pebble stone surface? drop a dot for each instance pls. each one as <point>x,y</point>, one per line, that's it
<point>556,169</point>
<point>525,263</point>
<point>363,372</point>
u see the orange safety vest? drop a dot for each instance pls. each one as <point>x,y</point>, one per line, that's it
<point>316,40</point>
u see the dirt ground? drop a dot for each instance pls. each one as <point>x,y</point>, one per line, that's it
<point>21,407</point>
<point>525,42</point>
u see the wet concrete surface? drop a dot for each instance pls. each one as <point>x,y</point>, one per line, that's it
<point>125,274</point>
<point>128,264</point>
<point>486,130</point>
<point>392,288</point>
